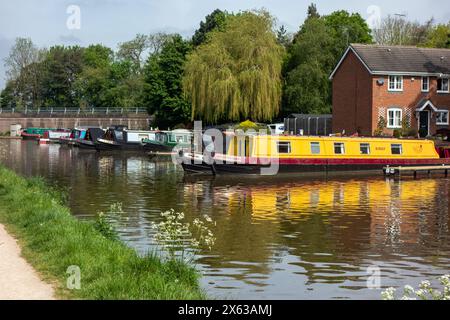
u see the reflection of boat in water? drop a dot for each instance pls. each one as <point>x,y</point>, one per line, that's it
<point>300,154</point>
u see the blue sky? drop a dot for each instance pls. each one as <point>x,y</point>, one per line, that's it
<point>112,21</point>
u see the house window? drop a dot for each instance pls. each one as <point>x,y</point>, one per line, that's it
<point>284,147</point>
<point>315,148</point>
<point>396,148</point>
<point>364,148</point>
<point>339,148</point>
<point>394,116</point>
<point>442,85</point>
<point>442,117</point>
<point>395,83</point>
<point>425,84</point>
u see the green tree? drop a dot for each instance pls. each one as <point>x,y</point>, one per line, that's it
<point>439,36</point>
<point>93,82</point>
<point>347,28</point>
<point>283,37</point>
<point>61,69</point>
<point>311,59</point>
<point>23,71</point>
<point>312,11</point>
<point>8,97</point>
<point>237,73</point>
<point>213,21</point>
<point>133,50</point>
<point>163,74</point>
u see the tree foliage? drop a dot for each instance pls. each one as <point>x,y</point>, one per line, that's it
<point>396,30</point>
<point>316,49</point>
<point>163,90</point>
<point>439,36</point>
<point>133,50</point>
<point>215,20</point>
<point>237,73</point>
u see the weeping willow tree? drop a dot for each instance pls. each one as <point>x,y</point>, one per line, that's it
<point>236,74</point>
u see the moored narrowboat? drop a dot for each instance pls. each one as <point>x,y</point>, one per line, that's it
<point>75,134</point>
<point>120,138</point>
<point>166,141</point>
<point>34,133</point>
<point>297,154</point>
<point>90,138</point>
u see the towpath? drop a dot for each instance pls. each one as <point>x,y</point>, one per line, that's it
<point>18,279</point>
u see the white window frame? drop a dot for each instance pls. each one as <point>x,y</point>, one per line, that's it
<point>448,86</point>
<point>395,81</point>
<point>401,149</point>
<point>315,144</point>
<point>284,144</point>
<point>342,145</point>
<point>428,84</point>
<point>368,148</point>
<point>440,123</point>
<point>394,125</point>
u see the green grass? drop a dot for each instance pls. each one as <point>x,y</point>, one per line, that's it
<point>52,240</point>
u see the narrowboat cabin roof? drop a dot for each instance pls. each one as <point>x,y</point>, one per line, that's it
<point>330,147</point>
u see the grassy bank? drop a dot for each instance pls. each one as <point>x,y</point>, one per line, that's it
<point>52,240</point>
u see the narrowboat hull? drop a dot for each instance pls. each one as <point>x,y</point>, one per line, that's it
<point>292,166</point>
<point>86,144</point>
<point>107,145</point>
<point>28,136</point>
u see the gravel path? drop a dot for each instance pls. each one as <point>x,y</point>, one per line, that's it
<point>18,280</point>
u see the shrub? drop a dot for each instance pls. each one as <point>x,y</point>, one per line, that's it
<point>425,291</point>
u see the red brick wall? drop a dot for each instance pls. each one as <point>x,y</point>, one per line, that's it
<point>358,100</point>
<point>352,95</point>
<point>407,100</point>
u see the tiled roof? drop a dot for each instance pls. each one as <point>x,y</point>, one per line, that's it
<point>402,59</point>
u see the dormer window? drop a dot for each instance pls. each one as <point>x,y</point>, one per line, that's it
<point>425,84</point>
<point>442,85</point>
<point>395,83</point>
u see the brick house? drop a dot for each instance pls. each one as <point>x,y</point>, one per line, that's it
<point>401,84</point>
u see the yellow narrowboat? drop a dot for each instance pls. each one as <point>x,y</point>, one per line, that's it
<point>249,154</point>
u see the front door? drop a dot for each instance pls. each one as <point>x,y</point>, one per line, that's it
<point>424,123</point>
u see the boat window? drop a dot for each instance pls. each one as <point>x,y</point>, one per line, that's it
<point>119,135</point>
<point>339,148</point>
<point>315,147</point>
<point>284,147</point>
<point>364,148</point>
<point>396,148</point>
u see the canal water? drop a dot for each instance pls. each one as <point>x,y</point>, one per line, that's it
<point>277,238</point>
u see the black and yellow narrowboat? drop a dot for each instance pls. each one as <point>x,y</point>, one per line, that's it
<point>292,154</point>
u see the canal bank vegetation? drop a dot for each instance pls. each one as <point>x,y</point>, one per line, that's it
<point>55,242</point>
